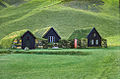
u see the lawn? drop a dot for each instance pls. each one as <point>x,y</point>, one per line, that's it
<point>98,64</point>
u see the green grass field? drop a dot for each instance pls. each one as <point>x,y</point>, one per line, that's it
<point>99,64</point>
<point>35,15</point>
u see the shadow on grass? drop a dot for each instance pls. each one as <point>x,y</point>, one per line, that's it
<point>60,51</point>
<point>64,53</point>
<point>46,52</point>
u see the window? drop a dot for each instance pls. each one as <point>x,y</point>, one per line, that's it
<point>28,38</point>
<point>94,34</point>
<point>92,42</point>
<point>96,42</point>
<point>51,39</point>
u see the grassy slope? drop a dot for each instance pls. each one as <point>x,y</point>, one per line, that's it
<point>39,14</point>
<point>100,64</point>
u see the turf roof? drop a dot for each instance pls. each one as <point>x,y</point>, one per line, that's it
<point>40,32</point>
<point>80,33</point>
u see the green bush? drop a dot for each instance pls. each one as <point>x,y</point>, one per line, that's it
<point>71,43</point>
<point>5,51</point>
<point>84,43</point>
<point>44,44</point>
<point>50,45</point>
<point>63,44</point>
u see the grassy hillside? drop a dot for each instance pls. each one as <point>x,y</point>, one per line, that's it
<point>99,64</point>
<point>13,1</point>
<point>38,14</point>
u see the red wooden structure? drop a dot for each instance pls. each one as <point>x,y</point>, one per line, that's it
<point>75,43</point>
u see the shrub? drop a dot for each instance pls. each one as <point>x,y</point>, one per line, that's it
<point>64,44</point>
<point>71,43</point>
<point>104,43</point>
<point>50,45</point>
<point>84,43</point>
<point>40,42</point>
<point>44,43</point>
<point>79,43</point>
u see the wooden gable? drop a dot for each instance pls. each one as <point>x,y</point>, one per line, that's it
<point>94,38</point>
<point>94,34</point>
<point>28,40</point>
<point>51,34</point>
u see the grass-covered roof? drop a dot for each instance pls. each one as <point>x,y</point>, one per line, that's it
<point>40,32</point>
<point>7,41</point>
<point>80,33</point>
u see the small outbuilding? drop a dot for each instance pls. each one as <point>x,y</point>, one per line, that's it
<point>94,38</point>
<point>28,40</point>
<point>51,35</point>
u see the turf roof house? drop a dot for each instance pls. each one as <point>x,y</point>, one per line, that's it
<point>94,38</point>
<point>50,34</point>
<point>28,40</point>
<point>18,38</point>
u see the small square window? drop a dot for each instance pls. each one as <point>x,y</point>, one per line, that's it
<point>94,34</point>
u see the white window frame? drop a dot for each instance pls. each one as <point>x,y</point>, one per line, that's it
<point>92,42</point>
<point>94,34</point>
<point>96,42</point>
<point>51,39</point>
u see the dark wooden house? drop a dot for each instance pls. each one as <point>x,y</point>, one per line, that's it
<point>28,40</point>
<point>51,35</point>
<point>94,38</point>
